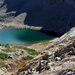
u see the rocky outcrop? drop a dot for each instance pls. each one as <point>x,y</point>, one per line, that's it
<point>59,62</point>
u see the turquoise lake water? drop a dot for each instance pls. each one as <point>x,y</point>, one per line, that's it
<point>21,36</point>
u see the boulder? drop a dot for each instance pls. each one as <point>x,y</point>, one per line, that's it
<point>57,58</point>
<point>35,73</point>
<point>69,73</point>
<point>48,53</point>
<point>51,64</point>
<point>12,57</point>
<point>33,69</point>
<point>4,69</point>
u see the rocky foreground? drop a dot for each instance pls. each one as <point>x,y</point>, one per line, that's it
<point>58,58</point>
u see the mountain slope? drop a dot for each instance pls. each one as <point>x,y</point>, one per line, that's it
<point>35,13</point>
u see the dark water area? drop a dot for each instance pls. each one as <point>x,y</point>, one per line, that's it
<point>22,36</point>
<point>52,33</point>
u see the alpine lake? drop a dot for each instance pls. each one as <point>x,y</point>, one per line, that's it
<point>22,36</point>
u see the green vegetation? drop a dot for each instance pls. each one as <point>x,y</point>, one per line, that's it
<point>1,64</point>
<point>27,58</point>
<point>3,56</point>
<point>22,52</point>
<point>0,45</point>
<point>7,46</point>
<point>8,50</point>
<point>30,51</point>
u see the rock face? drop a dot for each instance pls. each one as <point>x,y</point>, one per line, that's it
<point>42,14</point>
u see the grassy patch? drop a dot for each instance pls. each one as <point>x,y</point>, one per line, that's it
<point>7,46</point>
<point>8,50</point>
<point>1,64</point>
<point>3,56</point>
<point>27,58</point>
<point>30,51</point>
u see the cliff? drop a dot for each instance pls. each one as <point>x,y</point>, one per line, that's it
<point>36,14</point>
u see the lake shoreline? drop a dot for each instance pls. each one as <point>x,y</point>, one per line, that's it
<point>51,33</point>
<point>48,32</point>
<point>20,26</point>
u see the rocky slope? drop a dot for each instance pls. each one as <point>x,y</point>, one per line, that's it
<point>13,57</point>
<point>36,14</point>
<point>57,59</point>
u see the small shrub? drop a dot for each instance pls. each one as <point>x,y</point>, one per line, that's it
<point>0,45</point>
<point>1,64</point>
<point>7,46</point>
<point>3,56</point>
<point>22,52</point>
<point>27,58</point>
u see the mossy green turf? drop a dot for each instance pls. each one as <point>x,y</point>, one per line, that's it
<point>30,51</point>
<point>3,56</point>
<point>1,64</point>
<point>8,50</point>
